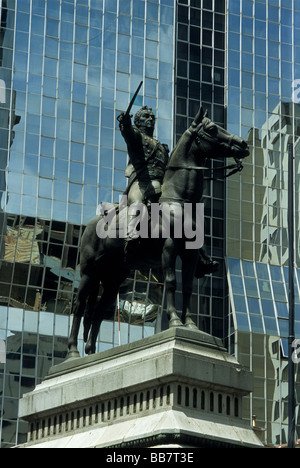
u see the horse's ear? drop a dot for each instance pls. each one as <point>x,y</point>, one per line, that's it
<point>199,116</point>
<point>206,113</point>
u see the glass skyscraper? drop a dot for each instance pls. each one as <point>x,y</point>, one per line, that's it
<point>262,106</point>
<point>67,69</point>
<point>200,78</point>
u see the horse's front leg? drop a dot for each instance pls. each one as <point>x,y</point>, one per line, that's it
<point>169,256</point>
<point>189,264</point>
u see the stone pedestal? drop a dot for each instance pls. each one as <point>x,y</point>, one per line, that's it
<point>179,388</point>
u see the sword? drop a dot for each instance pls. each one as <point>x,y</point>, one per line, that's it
<point>132,100</point>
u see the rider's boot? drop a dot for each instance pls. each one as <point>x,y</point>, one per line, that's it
<point>130,248</point>
<point>131,242</point>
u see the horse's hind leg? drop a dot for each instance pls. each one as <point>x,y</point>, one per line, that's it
<point>90,308</point>
<point>111,288</point>
<point>107,300</point>
<point>78,311</point>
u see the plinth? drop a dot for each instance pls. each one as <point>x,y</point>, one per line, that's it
<point>179,388</point>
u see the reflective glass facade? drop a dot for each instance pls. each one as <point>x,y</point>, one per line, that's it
<point>263,106</point>
<point>200,78</point>
<point>67,69</point>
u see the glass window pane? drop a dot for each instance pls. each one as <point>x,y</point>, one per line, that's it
<point>271,326</point>
<point>275,273</point>
<point>283,328</point>
<point>237,285</point>
<point>242,322</point>
<point>239,303</point>
<point>282,310</point>
<point>251,288</point>
<point>256,324</point>
<point>279,291</point>
<point>234,266</point>
<point>265,289</point>
<point>248,269</point>
<point>253,305</point>
<point>262,271</point>
<point>268,308</point>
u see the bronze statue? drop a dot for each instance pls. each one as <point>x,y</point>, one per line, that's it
<point>148,159</point>
<point>103,259</point>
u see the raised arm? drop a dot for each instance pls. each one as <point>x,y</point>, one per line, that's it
<point>129,132</point>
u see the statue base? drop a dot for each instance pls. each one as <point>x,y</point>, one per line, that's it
<point>179,388</point>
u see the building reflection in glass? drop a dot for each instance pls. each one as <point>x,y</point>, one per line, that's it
<point>68,69</point>
<point>263,60</point>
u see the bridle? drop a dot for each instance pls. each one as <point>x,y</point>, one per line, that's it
<point>234,168</point>
<point>237,167</point>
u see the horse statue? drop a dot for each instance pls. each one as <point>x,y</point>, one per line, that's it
<point>102,259</point>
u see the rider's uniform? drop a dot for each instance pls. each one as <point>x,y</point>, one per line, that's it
<point>148,159</point>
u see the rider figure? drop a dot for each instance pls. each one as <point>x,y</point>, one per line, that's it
<point>148,159</point>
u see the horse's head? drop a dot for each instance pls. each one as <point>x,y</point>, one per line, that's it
<point>213,141</point>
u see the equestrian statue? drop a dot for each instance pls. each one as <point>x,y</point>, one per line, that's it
<point>154,177</point>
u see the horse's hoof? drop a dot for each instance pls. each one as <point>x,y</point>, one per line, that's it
<point>87,323</point>
<point>89,350</point>
<point>73,354</point>
<point>175,323</point>
<point>191,326</point>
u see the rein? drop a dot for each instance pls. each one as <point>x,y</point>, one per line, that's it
<point>237,167</point>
